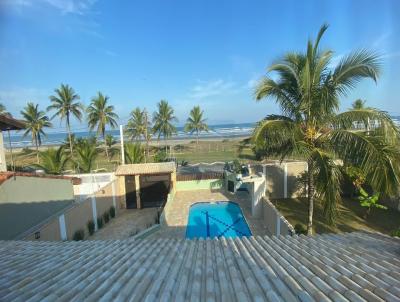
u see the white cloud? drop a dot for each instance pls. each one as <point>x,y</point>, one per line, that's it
<point>64,6</point>
<point>212,88</point>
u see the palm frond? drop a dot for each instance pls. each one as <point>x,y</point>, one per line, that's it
<point>379,160</point>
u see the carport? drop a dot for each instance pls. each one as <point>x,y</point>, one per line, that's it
<point>146,185</point>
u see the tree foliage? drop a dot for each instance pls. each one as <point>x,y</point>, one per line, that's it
<point>307,89</point>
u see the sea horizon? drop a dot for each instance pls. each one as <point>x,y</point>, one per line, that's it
<point>223,131</point>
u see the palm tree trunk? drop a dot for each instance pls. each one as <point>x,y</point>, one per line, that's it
<point>310,181</point>
<point>70,139</point>
<point>37,150</point>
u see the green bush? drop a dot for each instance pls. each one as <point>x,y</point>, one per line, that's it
<point>112,212</point>
<point>395,233</point>
<point>300,229</point>
<point>99,222</point>
<point>79,235</point>
<point>160,156</point>
<point>90,227</point>
<point>106,217</point>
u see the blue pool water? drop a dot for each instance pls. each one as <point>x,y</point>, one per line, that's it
<point>218,219</point>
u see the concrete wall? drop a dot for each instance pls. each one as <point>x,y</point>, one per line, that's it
<point>23,189</point>
<point>3,164</point>
<point>76,217</point>
<point>28,201</point>
<point>210,184</point>
<point>274,221</point>
<point>282,179</point>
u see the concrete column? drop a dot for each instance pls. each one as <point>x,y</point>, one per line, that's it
<point>113,195</point>
<point>137,188</point>
<point>285,188</point>
<point>94,212</point>
<point>3,164</point>
<point>63,228</point>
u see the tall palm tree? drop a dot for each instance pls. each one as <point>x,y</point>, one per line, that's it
<point>162,120</point>
<point>307,89</point>
<point>195,122</point>
<point>139,126</point>
<point>136,126</point>
<point>100,115</point>
<point>53,161</point>
<point>110,142</point>
<point>35,120</point>
<point>66,105</point>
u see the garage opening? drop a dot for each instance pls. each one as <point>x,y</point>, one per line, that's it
<point>131,202</point>
<point>154,190</point>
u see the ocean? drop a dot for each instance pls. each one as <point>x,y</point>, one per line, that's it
<point>215,131</point>
<point>57,138</point>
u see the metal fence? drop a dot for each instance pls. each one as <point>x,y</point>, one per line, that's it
<point>200,176</point>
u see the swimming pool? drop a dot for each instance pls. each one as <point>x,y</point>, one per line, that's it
<point>216,219</point>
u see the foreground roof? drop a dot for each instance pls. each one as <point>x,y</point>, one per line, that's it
<point>148,168</point>
<point>350,267</point>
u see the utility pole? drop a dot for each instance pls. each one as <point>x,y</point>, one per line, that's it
<point>121,135</point>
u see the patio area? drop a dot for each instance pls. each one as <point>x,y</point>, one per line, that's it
<point>127,224</point>
<point>177,211</point>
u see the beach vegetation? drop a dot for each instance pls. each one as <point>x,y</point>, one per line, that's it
<point>163,120</point>
<point>307,87</point>
<point>86,154</point>
<point>66,105</point>
<point>100,115</point>
<point>139,126</point>
<point>196,123</point>
<point>53,160</point>
<point>134,153</point>
<point>36,121</point>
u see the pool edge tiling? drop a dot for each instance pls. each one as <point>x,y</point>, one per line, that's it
<point>215,220</point>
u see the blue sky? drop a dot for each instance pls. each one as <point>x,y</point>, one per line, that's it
<point>207,53</point>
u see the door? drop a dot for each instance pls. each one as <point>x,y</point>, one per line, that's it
<point>130,192</point>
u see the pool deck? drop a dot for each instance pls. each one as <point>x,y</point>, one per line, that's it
<point>177,211</point>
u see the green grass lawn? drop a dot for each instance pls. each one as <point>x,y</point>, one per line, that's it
<point>205,151</point>
<point>351,216</point>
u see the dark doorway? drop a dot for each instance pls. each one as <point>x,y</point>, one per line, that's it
<point>231,186</point>
<point>130,192</point>
<point>154,190</point>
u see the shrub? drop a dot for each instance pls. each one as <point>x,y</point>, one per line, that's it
<point>395,233</point>
<point>160,156</point>
<point>99,222</point>
<point>79,235</point>
<point>106,217</point>
<point>300,229</point>
<point>112,212</point>
<point>90,227</point>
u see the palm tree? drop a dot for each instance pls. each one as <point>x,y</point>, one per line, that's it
<point>140,126</point>
<point>53,161</point>
<point>307,90</point>
<point>3,109</point>
<point>65,103</point>
<point>136,126</point>
<point>196,123</point>
<point>134,153</point>
<point>35,121</point>
<point>358,104</point>
<point>86,155</point>
<point>110,142</point>
<point>100,114</point>
<point>163,119</point>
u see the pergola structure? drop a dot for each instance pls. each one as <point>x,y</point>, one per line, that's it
<point>7,123</point>
<point>145,185</point>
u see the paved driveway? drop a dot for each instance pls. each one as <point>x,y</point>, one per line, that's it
<point>127,224</point>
